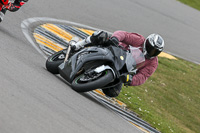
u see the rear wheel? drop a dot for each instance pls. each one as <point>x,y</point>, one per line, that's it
<point>54,61</point>
<point>86,82</point>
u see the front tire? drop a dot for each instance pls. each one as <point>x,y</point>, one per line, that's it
<point>100,82</point>
<point>54,61</point>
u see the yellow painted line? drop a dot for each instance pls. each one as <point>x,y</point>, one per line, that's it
<point>140,128</point>
<point>99,92</point>
<point>58,31</point>
<point>118,102</point>
<point>48,43</point>
<point>45,44</point>
<point>45,40</point>
<point>162,54</point>
<point>89,32</point>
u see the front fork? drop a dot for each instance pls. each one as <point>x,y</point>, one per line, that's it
<point>71,43</point>
<point>67,54</point>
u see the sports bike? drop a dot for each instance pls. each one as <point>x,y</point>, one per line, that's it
<point>94,66</point>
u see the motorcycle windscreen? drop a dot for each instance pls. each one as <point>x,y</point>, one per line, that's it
<point>134,59</point>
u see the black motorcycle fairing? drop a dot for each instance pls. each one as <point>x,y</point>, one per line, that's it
<point>96,67</point>
<point>69,69</point>
<point>119,57</point>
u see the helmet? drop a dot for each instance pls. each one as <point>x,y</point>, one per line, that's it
<point>153,45</point>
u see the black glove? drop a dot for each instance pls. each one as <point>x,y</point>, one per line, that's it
<point>126,79</point>
<point>114,41</point>
<point>99,37</point>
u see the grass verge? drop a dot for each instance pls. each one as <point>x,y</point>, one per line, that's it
<point>193,3</point>
<point>169,100</point>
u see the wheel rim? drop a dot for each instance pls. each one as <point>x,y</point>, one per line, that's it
<point>86,78</point>
<point>58,57</point>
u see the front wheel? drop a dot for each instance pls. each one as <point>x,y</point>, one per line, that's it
<point>83,83</point>
<point>54,61</point>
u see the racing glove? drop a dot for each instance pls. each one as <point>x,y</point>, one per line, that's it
<point>114,41</point>
<point>81,44</point>
<point>126,79</point>
<point>99,37</point>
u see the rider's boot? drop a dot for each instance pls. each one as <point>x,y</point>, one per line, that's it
<point>113,91</point>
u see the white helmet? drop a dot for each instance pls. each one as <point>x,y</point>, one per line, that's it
<point>153,45</point>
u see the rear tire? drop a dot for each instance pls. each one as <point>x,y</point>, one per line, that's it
<point>54,61</point>
<point>98,83</point>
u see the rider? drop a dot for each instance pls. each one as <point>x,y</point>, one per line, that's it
<point>151,47</point>
<point>11,6</point>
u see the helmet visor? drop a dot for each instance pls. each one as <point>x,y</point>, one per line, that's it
<point>151,50</point>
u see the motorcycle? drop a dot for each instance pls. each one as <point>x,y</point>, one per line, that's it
<point>96,66</point>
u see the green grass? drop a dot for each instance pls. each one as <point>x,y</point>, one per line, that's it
<point>170,98</point>
<point>193,3</point>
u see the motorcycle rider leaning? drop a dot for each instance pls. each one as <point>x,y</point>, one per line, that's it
<point>151,47</point>
<point>11,6</point>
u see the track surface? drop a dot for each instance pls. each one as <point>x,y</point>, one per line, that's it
<point>33,100</point>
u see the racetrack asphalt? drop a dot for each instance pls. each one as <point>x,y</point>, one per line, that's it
<point>33,100</point>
